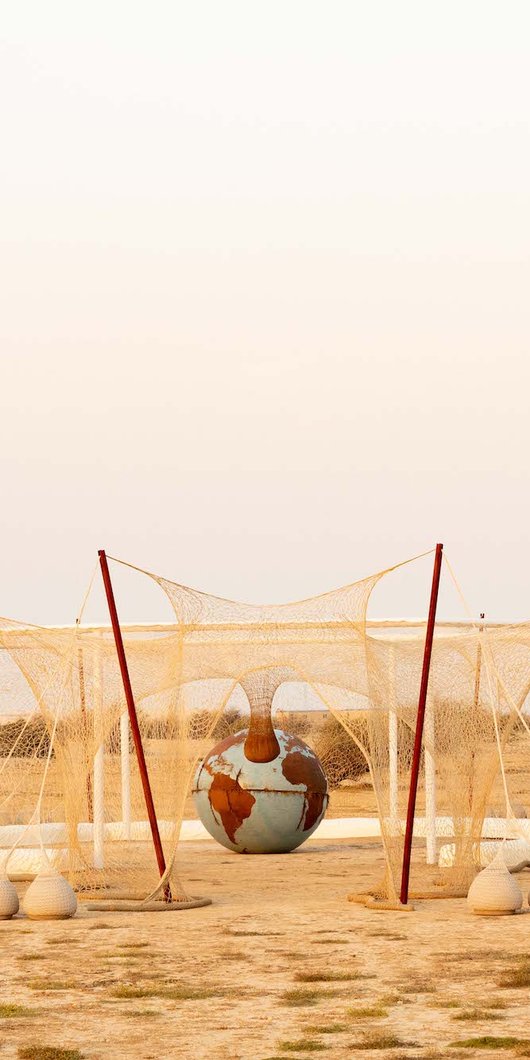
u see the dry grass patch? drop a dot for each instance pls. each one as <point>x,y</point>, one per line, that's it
<point>51,984</point>
<point>133,993</point>
<point>132,945</point>
<point>9,1012</point>
<point>328,931</point>
<point>169,993</point>
<point>387,935</point>
<point>328,1028</point>
<point>303,1045</point>
<point>290,955</point>
<point>48,1052</point>
<point>515,978</point>
<point>298,998</point>
<point>487,1041</point>
<point>132,957</point>
<point>475,955</point>
<point>394,999</point>
<point>446,1003</point>
<point>367,1013</point>
<point>142,1013</point>
<point>475,1014</point>
<point>431,1054</point>
<point>326,977</point>
<point>382,1041</point>
<point>416,986</point>
<point>252,934</point>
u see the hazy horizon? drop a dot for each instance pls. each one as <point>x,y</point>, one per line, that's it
<point>265,308</point>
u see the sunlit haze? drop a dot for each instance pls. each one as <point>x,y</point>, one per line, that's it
<point>265,300</point>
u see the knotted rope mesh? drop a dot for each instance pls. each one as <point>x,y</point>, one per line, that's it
<point>219,664</point>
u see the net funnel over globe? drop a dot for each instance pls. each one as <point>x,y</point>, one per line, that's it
<point>261,791</point>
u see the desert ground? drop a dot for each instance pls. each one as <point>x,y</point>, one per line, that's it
<point>279,965</point>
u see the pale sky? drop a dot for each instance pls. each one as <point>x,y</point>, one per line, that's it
<point>265,299</point>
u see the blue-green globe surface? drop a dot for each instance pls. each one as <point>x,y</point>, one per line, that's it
<point>260,807</point>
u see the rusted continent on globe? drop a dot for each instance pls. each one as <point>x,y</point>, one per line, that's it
<point>233,803</point>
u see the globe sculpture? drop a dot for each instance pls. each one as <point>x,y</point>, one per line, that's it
<point>260,807</point>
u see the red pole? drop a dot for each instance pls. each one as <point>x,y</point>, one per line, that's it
<point>415,770</point>
<point>133,719</point>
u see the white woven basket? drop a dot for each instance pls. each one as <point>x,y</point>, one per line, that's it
<point>49,897</point>
<point>494,892</point>
<point>8,899</point>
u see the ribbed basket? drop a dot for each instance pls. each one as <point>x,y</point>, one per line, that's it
<point>8,899</point>
<point>494,892</point>
<point>49,897</point>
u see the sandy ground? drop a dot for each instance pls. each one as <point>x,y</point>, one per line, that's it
<point>280,965</point>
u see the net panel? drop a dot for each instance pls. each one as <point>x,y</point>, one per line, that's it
<point>466,726</point>
<point>369,679</point>
<point>69,778</point>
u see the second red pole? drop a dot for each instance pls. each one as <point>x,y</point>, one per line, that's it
<point>420,718</point>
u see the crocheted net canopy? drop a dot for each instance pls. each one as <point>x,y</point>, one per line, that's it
<point>66,751</point>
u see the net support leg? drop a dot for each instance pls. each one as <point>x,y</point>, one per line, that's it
<point>133,719</point>
<point>125,775</point>
<point>99,768</point>
<point>392,743</point>
<point>99,809</point>
<point>393,764</point>
<point>430,785</point>
<point>415,771</point>
<point>82,700</point>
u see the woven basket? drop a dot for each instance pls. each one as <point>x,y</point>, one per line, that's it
<point>8,899</point>
<point>49,897</point>
<point>494,892</point>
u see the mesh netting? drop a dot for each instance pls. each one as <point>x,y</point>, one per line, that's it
<point>70,736</point>
<point>368,678</point>
<point>69,778</point>
<point>467,724</point>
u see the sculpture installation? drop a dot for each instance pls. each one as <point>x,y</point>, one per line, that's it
<point>261,791</point>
